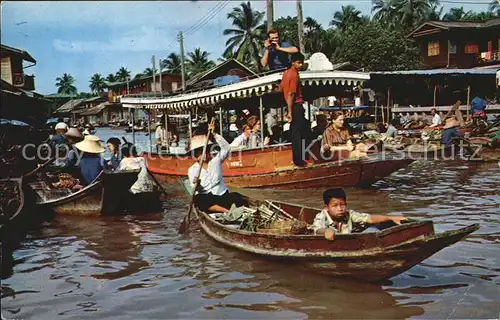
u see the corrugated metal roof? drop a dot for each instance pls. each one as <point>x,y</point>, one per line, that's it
<point>26,56</point>
<point>69,106</point>
<point>435,72</point>
<point>94,110</point>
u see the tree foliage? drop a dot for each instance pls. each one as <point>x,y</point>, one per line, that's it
<point>65,84</point>
<point>97,83</point>
<point>373,47</point>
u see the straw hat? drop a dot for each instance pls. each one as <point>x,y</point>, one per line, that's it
<point>90,144</point>
<point>199,141</point>
<point>450,123</point>
<point>74,133</point>
<point>61,126</point>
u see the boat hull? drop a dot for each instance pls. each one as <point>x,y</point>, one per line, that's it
<point>272,168</point>
<point>366,256</point>
<point>108,195</point>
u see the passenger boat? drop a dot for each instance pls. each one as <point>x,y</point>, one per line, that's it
<point>272,167</point>
<point>107,195</point>
<point>364,256</point>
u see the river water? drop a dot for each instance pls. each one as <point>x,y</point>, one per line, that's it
<point>138,267</point>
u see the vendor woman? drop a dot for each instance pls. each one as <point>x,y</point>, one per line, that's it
<point>212,194</point>
<point>91,162</point>
<point>336,137</point>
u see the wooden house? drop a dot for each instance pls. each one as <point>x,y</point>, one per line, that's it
<point>458,44</point>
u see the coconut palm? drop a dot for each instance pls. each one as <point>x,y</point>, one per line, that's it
<point>386,11</point>
<point>349,16</point>
<point>315,36</point>
<point>435,13</point>
<point>97,83</point>
<point>457,14</point>
<point>123,74</point>
<point>148,72</point>
<point>65,84</point>
<point>198,62</point>
<point>111,78</point>
<point>402,13</point>
<point>247,36</point>
<point>495,7</point>
<point>172,64</point>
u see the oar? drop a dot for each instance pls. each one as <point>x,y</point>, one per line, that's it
<point>185,223</point>
<point>40,167</point>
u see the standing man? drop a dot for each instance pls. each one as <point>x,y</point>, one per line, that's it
<point>276,54</point>
<point>160,137</point>
<point>292,92</point>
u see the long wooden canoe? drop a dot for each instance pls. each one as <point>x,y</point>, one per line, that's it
<point>107,195</point>
<point>365,256</point>
<point>272,167</point>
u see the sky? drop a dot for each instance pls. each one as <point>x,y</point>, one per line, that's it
<point>82,38</point>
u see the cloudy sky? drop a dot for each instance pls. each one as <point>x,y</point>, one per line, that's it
<point>82,38</point>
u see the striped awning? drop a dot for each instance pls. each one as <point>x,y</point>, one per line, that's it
<point>246,89</point>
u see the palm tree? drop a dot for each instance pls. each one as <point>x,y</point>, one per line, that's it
<point>123,74</point>
<point>148,72</point>
<point>198,62</point>
<point>97,83</point>
<point>385,11</point>
<point>457,14</point>
<point>111,78</point>
<point>65,84</point>
<point>248,34</point>
<point>315,36</point>
<point>495,7</point>
<point>349,16</point>
<point>435,13</point>
<point>172,64</point>
<point>402,13</point>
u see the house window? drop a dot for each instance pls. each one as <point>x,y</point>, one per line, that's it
<point>453,47</point>
<point>433,48</point>
<point>471,48</point>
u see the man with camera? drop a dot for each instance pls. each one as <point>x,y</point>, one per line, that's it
<point>276,53</point>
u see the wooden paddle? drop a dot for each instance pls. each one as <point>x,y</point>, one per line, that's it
<point>40,167</point>
<point>185,222</point>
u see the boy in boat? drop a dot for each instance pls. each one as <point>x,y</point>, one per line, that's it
<point>212,195</point>
<point>337,219</point>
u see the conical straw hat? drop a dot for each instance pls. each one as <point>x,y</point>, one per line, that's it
<point>90,144</point>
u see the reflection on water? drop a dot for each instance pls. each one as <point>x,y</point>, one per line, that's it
<point>140,268</point>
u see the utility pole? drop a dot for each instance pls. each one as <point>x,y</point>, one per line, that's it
<point>270,14</point>
<point>161,84</point>
<point>153,61</point>
<point>300,25</point>
<point>183,71</point>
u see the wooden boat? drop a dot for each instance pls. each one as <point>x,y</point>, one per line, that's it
<point>272,167</point>
<point>108,194</point>
<point>485,154</point>
<point>365,256</point>
<point>11,209</point>
<point>421,151</point>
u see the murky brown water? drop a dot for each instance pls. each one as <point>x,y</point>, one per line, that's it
<point>140,268</point>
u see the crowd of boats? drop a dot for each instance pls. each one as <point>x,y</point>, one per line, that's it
<point>371,151</point>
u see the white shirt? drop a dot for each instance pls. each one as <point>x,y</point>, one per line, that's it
<point>161,134</point>
<point>331,101</point>
<point>211,179</point>
<point>354,222</point>
<point>143,182</point>
<point>436,120</point>
<point>240,141</point>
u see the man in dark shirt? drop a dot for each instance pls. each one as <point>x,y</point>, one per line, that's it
<point>276,54</point>
<point>300,127</point>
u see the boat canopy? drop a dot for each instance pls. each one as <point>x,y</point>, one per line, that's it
<point>345,108</point>
<point>245,89</point>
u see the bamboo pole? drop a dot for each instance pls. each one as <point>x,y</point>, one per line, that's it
<point>383,114</point>
<point>468,101</point>
<point>388,103</point>
<point>149,133</point>
<point>220,121</point>
<point>261,111</point>
<point>376,107</point>
<point>435,95</point>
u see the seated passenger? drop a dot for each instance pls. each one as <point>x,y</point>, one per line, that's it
<point>114,147</point>
<point>212,194</point>
<point>255,138</point>
<point>91,163</point>
<point>132,161</point>
<point>450,131</point>
<point>392,129</point>
<point>337,219</point>
<point>243,140</point>
<point>336,137</point>
<point>59,138</point>
<point>73,136</point>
